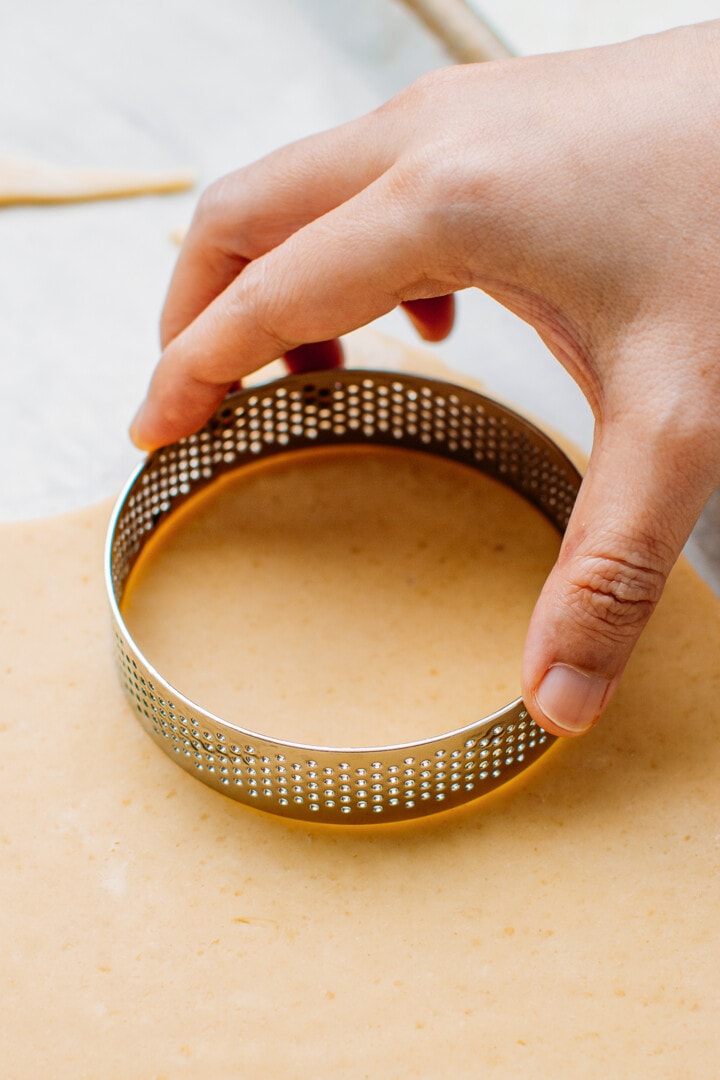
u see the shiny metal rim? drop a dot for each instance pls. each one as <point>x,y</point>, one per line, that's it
<point>348,785</point>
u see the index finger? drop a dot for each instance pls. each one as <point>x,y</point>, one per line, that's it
<point>337,273</point>
<point>255,209</point>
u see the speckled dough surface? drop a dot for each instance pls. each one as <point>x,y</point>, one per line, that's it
<point>564,926</point>
<point>336,597</point>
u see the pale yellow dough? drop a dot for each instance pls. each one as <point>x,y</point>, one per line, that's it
<point>562,927</point>
<point>26,180</point>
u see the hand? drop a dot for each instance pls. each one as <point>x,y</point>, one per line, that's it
<point>582,191</point>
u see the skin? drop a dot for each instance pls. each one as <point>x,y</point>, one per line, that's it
<point>581,191</point>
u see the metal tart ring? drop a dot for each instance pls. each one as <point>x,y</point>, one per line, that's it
<point>334,784</point>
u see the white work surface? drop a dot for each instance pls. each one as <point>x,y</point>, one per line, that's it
<point>209,85</point>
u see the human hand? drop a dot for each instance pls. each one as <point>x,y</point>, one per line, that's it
<point>581,191</point>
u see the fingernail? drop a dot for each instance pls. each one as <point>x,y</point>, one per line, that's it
<point>572,700</point>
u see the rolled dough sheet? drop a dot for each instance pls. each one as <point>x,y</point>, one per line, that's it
<point>26,180</point>
<point>563,926</point>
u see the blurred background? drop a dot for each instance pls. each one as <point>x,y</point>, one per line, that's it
<point>210,85</point>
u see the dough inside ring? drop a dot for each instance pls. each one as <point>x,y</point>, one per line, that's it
<point>355,596</point>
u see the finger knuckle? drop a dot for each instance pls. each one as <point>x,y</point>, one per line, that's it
<point>266,298</point>
<point>228,223</point>
<point>613,594</point>
<point>213,202</point>
<point>420,95</point>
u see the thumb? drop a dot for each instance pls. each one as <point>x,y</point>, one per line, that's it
<point>637,505</point>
